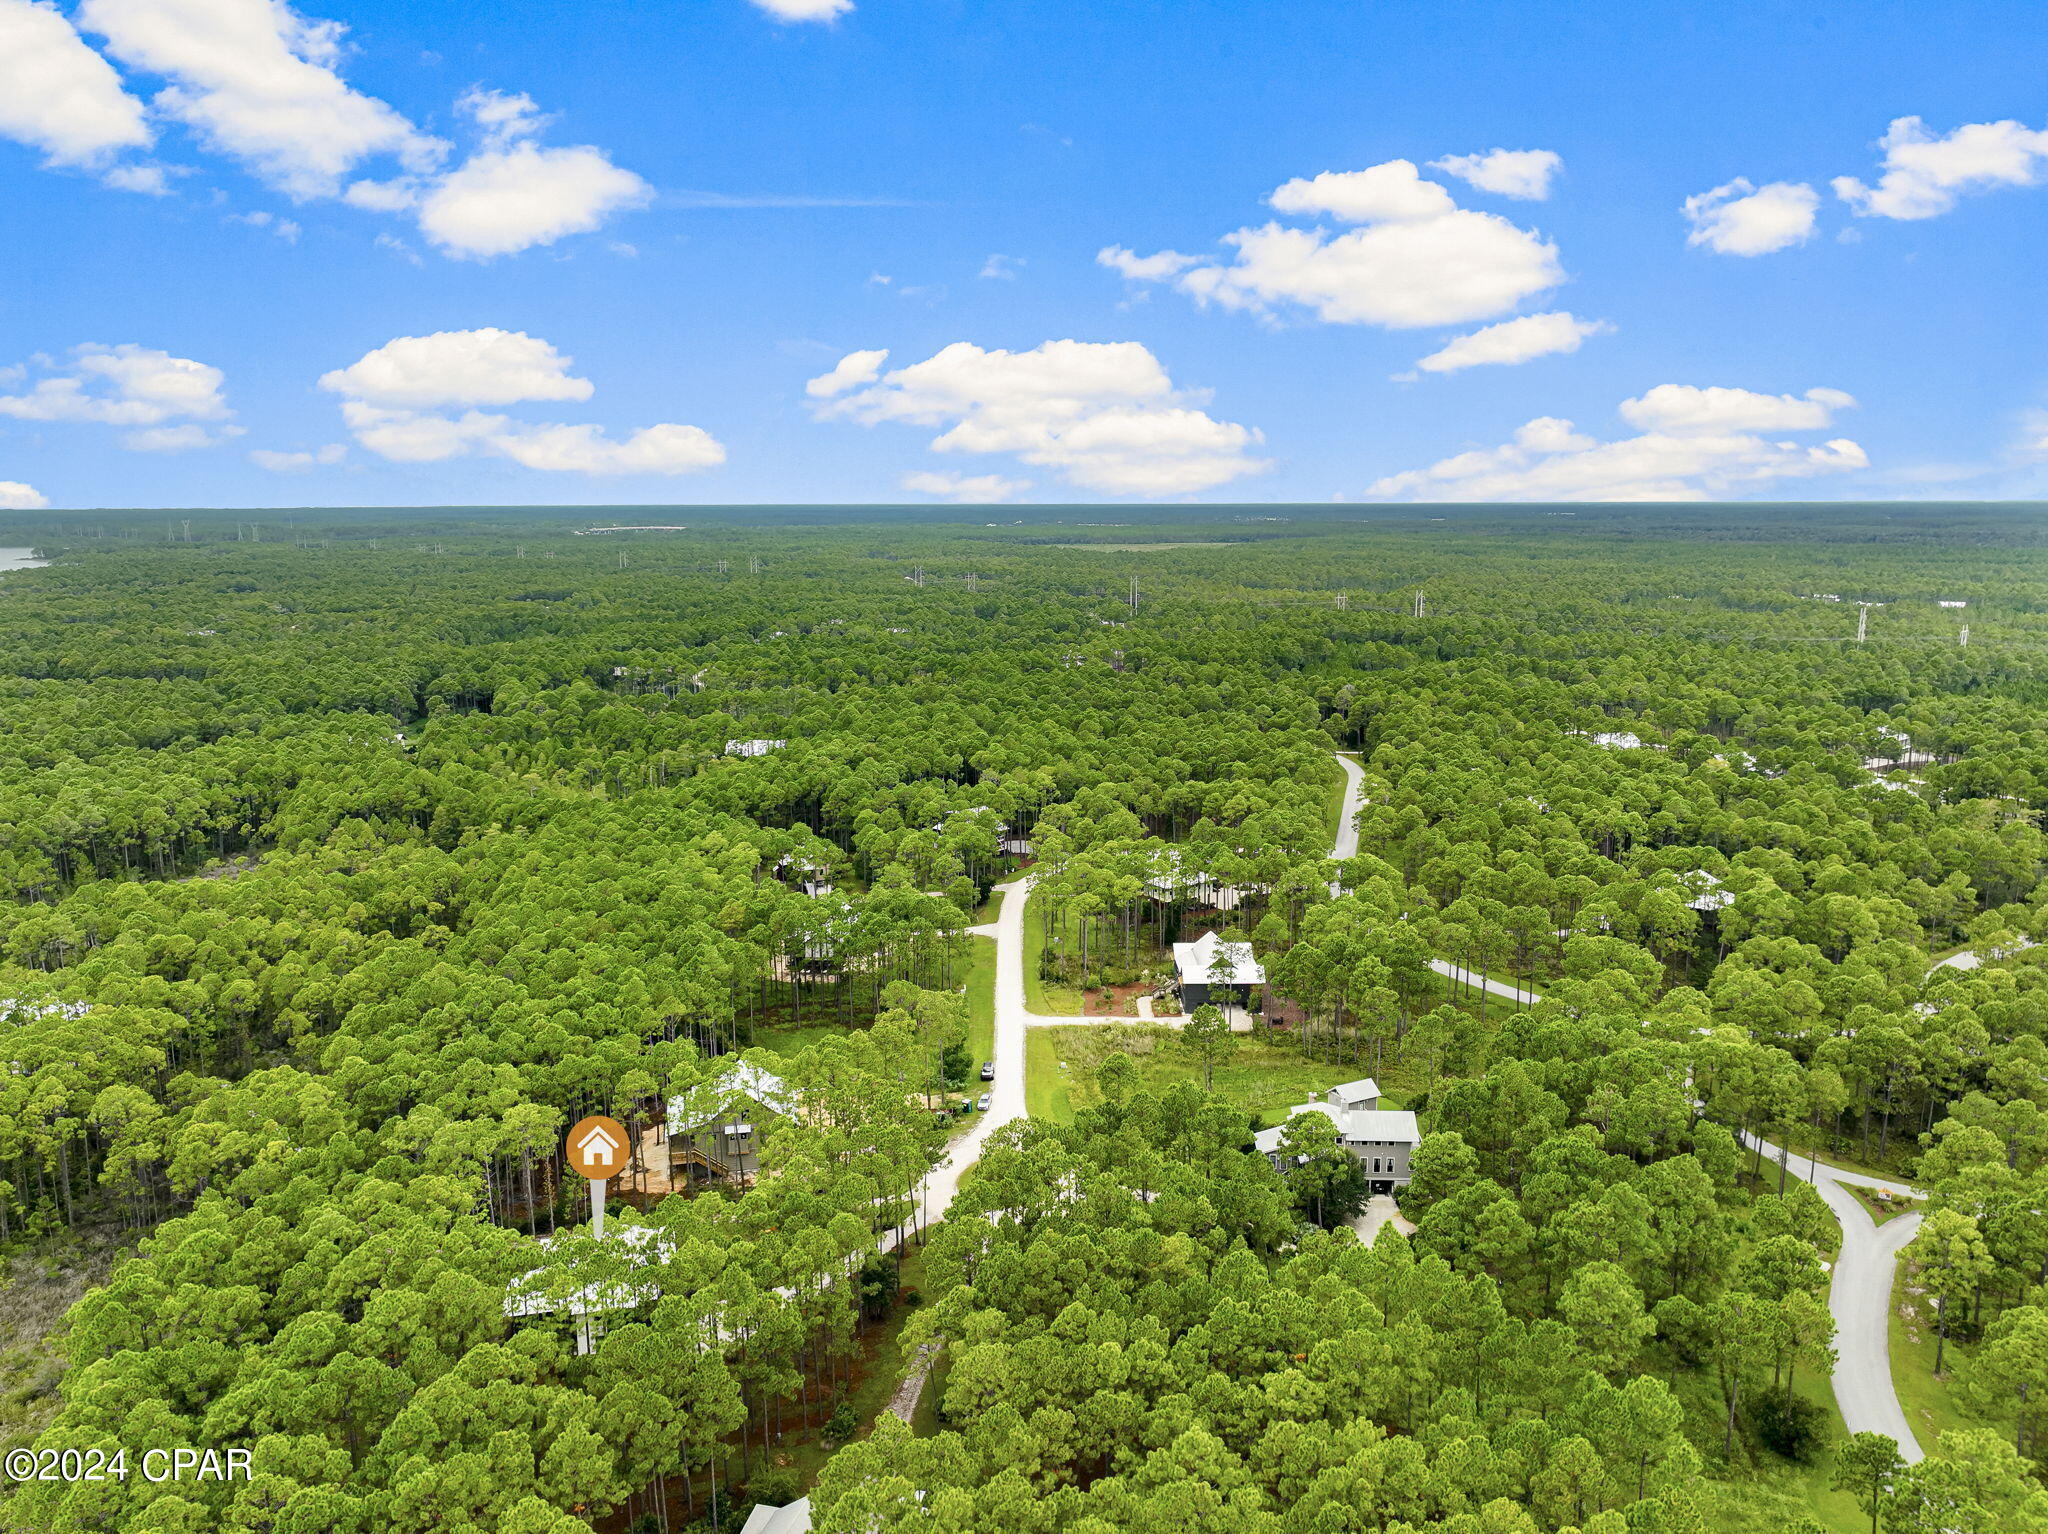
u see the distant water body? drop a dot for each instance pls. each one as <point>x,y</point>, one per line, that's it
<point>19,559</point>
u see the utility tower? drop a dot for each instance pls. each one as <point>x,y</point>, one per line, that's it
<point>1134,594</point>
<point>1963,638</point>
<point>1343,601</point>
<point>723,566</point>
<point>1862,623</point>
<point>753,564</point>
<point>1420,606</point>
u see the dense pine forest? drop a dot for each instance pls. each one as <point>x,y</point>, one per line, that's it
<point>350,857</point>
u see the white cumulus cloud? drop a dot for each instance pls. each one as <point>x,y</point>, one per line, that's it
<point>1685,408</point>
<point>1103,414</point>
<point>1513,341</point>
<point>15,496</point>
<point>259,83</point>
<point>297,462</point>
<point>503,201</point>
<point>1523,173</point>
<point>805,10</point>
<point>1740,218</point>
<point>175,439</point>
<point>256,81</point>
<point>849,372</point>
<point>1695,444</point>
<point>459,367</point>
<point>584,449</point>
<point>1153,268</point>
<point>1923,174</point>
<point>164,400</point>
<point>967,489</point>
<point>1415,259</point>
<point>59,96</point>
<point>511,193</point>
<point>400,402</point>
<point>1391,193</point>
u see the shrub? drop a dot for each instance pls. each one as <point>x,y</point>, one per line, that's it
<point>1796,1428</point>
<point>778,1485</point>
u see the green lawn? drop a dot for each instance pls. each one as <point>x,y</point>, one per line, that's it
<point>1880,1209</point>
<point>925,1419</point>
<point>787,1040</point>
<point>1333,805</point>
<point>981,1000</point>
<point>1904,1149</point>
<point>1775,1495</point>
<point>1050,1000</point>
<point>1930,1404</point>
<point>1266,1078</point>
<point>1045,1077</point>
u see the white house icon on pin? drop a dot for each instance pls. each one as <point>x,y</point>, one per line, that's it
<point>597,1147</point>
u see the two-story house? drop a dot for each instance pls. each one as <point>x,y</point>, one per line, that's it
<point>1382,1139</point>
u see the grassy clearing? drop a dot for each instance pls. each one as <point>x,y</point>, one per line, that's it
<point>980,978</point>
<point>1046,1077</point>
<point>1803,1143</point>
<point>35,1292</point>
<point>1880,1208</point>
<point>1333,804</point>
<point>787,1039</point>
<point>1761,1493</point>
<point>1778,1493</point>
<point>926,1421</point>
<point>1049,999</point>
<point>1930,1403</point>
<point>1263,1078</point>
<point>981,1000</point>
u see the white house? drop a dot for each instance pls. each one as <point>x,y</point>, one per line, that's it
<point>1382,1139</point>
<point>793,1519</point>
<point>1707,892</point>
<point>714,1130</point>
<point>1904,756</point>
<point>590,1306</point>
<point>1211,962</point>
<point>1170,879</point>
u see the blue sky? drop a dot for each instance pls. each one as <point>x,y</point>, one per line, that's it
<point>370,253</point>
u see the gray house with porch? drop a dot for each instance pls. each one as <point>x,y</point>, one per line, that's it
<point>1383,1140</point>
